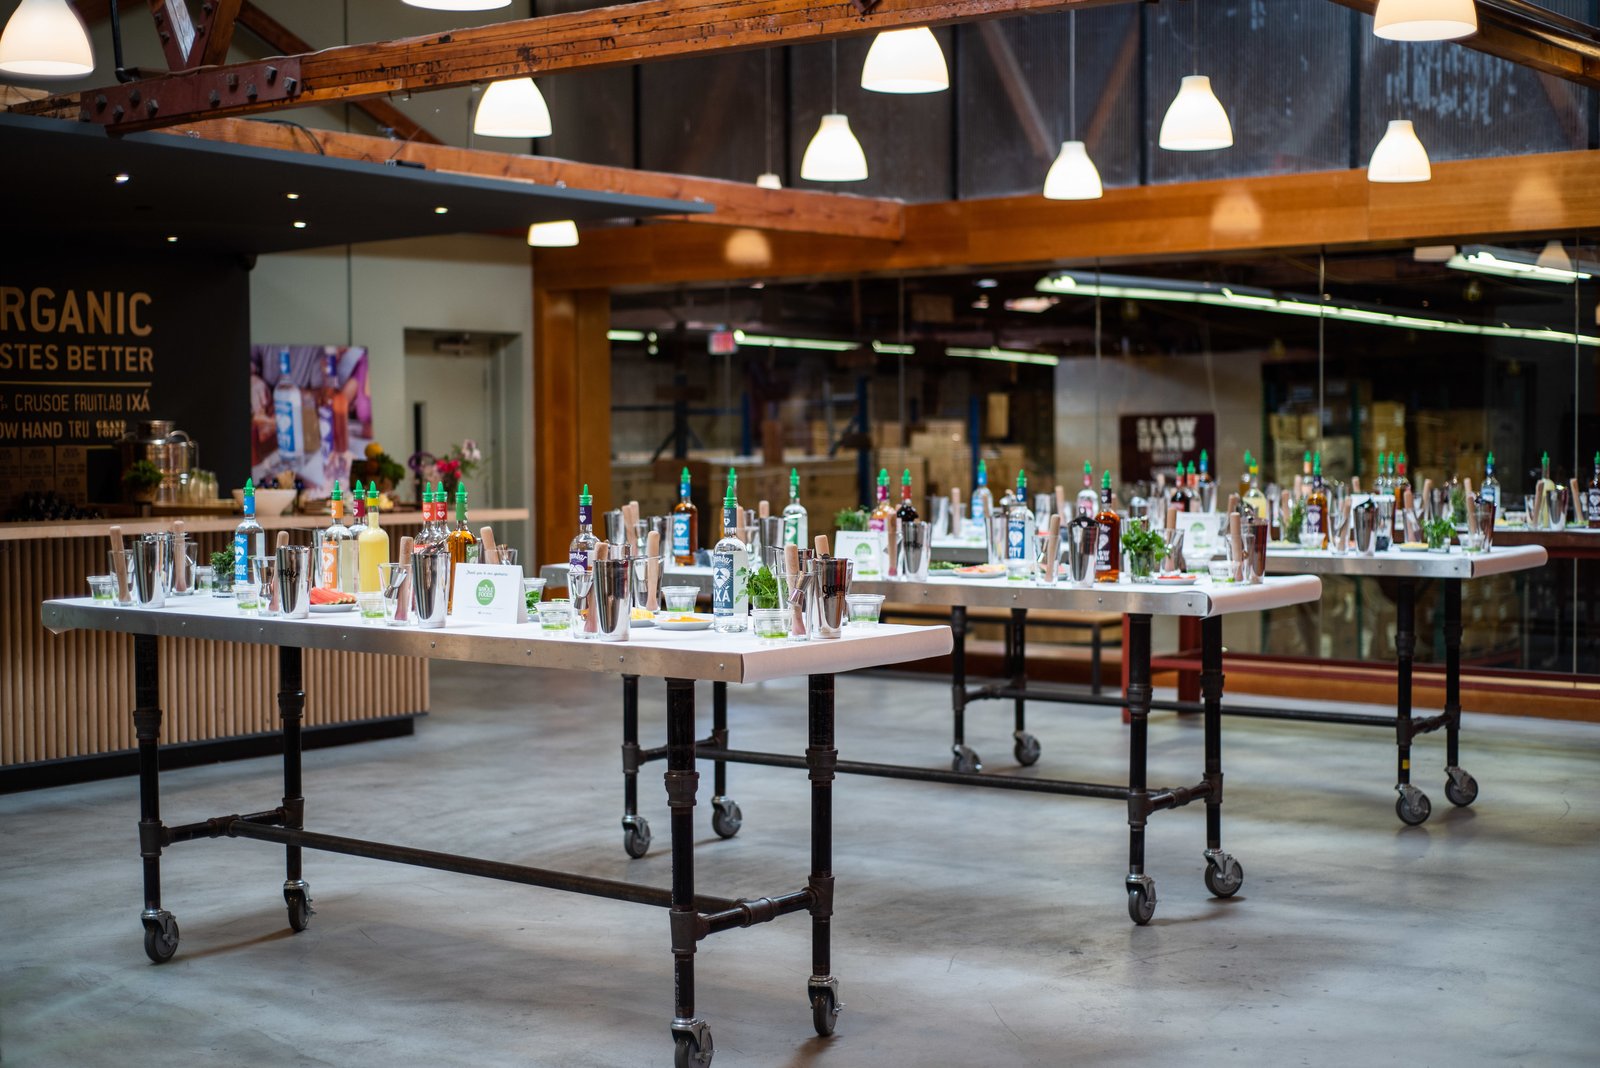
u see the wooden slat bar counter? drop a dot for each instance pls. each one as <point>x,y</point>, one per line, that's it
<point>69,697</point>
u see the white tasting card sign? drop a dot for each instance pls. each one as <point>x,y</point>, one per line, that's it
<point>488,593</point>
<point>863,547</point>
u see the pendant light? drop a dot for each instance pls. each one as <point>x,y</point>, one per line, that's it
<point>459,5</point>
<point>1400,156</point>
<point>45,39</point>
<point>905,61</point>
<point>768,179</point>
<point>1424,20</point>
<point>512,108</point>
<point>1554,258</point>
<point>1195,120</point>
<point>563,234</point>
<point>834,154</point>
<point>1073,175</point>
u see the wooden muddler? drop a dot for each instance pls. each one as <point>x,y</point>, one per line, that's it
<point>1355,483</point>
<point>402,608</point>
<point>1236,540</point>
<point>1472,512</point>
<point>180,559</point>
<point>652,567</point>
<point>1427,493</point>
<point>1172,517</point>
<point>1233,503</point>
<point>763,509</point>
<point>821,543</point>
<point>491,551</point>
<point>791,568</point>
<point>1061,499</point>
<point>119,564</point>
<point>1052,541</point>
<point>283,540</point>
<point>890,526</point>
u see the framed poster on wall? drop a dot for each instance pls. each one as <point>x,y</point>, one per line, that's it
<point>1153,445</point>
<point>310,414</point>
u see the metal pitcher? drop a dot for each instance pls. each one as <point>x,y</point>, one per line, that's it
<point>825,600</point>
<point>294,581</point>
<point>430,586</point>
<point>1082,540</point>
<point>613,599</point>
<point>916,550</point>
<point>152,570</point>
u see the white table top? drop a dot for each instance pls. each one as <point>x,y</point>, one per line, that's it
<point>1393,563</point>
<point>651,652</point>
<point>1202,599</point>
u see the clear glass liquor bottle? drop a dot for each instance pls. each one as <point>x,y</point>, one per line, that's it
<point>982,499</point>
<point>336,547</point>
<point>248,537</point>
<point>1020,523</point>
<point>1490,490</point>
<point>795,526</point>
<point>730,568</point>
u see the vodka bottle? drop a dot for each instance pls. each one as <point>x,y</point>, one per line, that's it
<point>248,537</point>
<point>982,499</point>
<point>1019,523</point>
<point>730,568</point>
<point>794,514</point>
<point>286,409</point>
<point>334,541</point>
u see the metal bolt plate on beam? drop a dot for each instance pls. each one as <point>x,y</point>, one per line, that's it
<point>201,91</point>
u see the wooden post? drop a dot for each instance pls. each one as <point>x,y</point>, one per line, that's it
<point>572,411</point>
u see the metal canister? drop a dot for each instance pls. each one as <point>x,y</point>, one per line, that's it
<point>430,586</point>
<point>613,601</point>
<point>152,570</point>
<point>1364,520</point>
<point>294,581</point>
<point>916,549</point>
<point>1082,540</point>
<point>170,449</point>
<point>825,600</point>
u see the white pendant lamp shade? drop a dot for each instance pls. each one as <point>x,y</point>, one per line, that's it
<point>1399,157</point>
<point>1424,20</point>
<point>1195,120</point>
<point>769,180</point>
<point>459,5</point>
<point>1554,257</point>
<point>1073,175</point>
<point>512,108</point>
<point>834,154</point>
<point>45,39</point>
<point>563,234</point>
<point>905,61</point>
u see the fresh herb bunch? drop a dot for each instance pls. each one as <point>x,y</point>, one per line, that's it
<point>1140,539</point>
<point>850,519</point>
<point>1297,521</point>
<point>764,588</point>
<point>1458,505</point>
<point>222,560</point>
<point>142,475</point>
<point>1439,531</point>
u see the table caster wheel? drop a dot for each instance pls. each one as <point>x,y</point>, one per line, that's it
<point>1141,898</point>
<point>825,1011</point>
<point>965,760</point>
<point>635,836</point>
<point>694,1048</point>
<point>160,936</point>
<point>298,901</point>
<point>1224,875</point>
<point>1460,788</point>
<point>1026,749</point>
<point>726,819</point>
<point>1412,806</point>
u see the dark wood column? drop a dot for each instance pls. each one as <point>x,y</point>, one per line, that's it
<point>572,411</point>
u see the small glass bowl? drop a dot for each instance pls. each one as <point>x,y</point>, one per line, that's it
<point>555,615</point>
<point>247,596</point>
<point>770,624</point>
<point>680,598</point>
<point>1220,569</point>
<point>863,608</point>
<point>103,588</point>
<point>205,578</point>
<point>370,606</point>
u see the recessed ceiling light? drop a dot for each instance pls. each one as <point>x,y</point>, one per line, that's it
<point>987,283</point>
<point>441,210</point>
<point>122,179</point>
<point>298,225</point>
<point>291,196</point>
<point>172,239</point>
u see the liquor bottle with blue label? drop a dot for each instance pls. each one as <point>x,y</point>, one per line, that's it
<point>248,537</point>
<point>794,513</point>
<point>685,525</point>
<point>1019,524</point>
<point>730,567</point>
<point>982,499</point>
<point>286,409</point>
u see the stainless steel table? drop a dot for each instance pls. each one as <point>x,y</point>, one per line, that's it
<point>1409,568</point>
<point>679,658</point>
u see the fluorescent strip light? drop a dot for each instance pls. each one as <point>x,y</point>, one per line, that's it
<point>809,343</point>
<point>1174,292</point>
<point>624,335</point>
<point>889,348</point>
<point>1004,356</point>
<point>1508,264</point>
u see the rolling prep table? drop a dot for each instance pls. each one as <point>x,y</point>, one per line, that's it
<point>1207,602</point>
<point>1407,569</point>
<point>680,658</point>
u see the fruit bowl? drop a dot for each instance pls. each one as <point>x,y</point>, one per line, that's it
<point>269,502</point>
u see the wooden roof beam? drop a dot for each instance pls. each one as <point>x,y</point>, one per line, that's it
<point>592,39</point>
<point>738,204</point>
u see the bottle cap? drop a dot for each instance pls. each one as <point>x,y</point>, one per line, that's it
<point>728,499</point>
<point>461,493</point>
<point>250,487</point>
<point>1022,480</point>
<point>794,476</point>
<point>1088,468</point>
<point>372,491</point>
<point>1316,465</point>
<point>584,498</point>
<point>685,476</point>
<point>1308,456</point>
<point>355,492</point>
<point>1105,480</point>
<point>1203,457</point>
<point>334,495</point>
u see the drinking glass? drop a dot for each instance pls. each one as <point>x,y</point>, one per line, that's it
<point>392,582</point>
<point>680,598</point>
<point>245,595</point>
<point>864,608</point>
<point>103,588</point>
<point>555,616</point>
<point>121,563</point>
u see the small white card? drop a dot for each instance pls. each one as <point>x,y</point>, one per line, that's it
<point>865,548</point>
<point>488,593</point>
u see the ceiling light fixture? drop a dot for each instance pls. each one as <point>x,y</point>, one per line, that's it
<point>122,179</point>
<point>1196,120</point>
<point>1553,257</point>
<point>768,179</point>
<point>512,108</point>
<point>45,39</point>
<point>1424,20</point>
<point>1073,175</point>
<point>441,210</point>
<point>905,61</point>
<point>459,5</point>
<point>834,154</point>
<point>1549,266</point>
<point>1004,355</point>
<point>172,239</point>
<point>291,196</point>
<point>1399,156</point>
<point>298,225</point>
<point>562,234</point>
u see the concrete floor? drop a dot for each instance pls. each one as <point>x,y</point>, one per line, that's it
<point>974,927</point>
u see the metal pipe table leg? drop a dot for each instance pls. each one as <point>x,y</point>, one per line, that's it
<point>1224,875</point>
<point>160,929</point>
<point>691,1035</point>
<point>635,828</point>
<point>726,818</point>
<point>1141,888</point>
<point>1459,787</point>
<point>1412,806</point>
<point>1024,746</point>
<point>822,988</point>
<point>291,709</point>
<point>962,758</point>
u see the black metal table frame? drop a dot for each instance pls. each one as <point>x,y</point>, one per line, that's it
<point>692,917</point>
<point>1223,873</point>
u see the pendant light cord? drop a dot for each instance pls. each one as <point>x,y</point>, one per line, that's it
<point>836,76</point>
<point>767,86</point>
<point>1194,37</point>
<point>1072,75</point>
<point>1322,353</point>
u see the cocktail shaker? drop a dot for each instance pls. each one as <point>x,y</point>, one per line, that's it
<point>294,581</point>
<point>152,570</point>
<point>613,599</point>
<point>430,586</point>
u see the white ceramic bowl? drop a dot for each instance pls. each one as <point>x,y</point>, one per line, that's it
<point>269,502</point>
